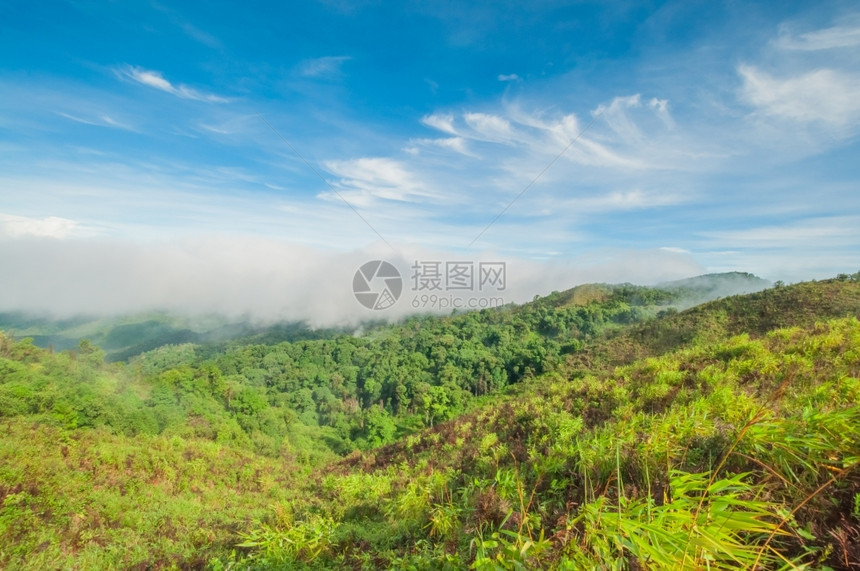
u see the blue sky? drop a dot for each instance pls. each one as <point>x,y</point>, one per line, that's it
<point>692,136</point>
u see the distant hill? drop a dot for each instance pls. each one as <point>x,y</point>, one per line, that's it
<point>684,293</point>
<point>123,337</point>
<point>704,288</point>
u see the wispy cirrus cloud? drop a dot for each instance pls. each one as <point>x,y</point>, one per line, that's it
<point>539,136</point>
<point>809,86</point>
<point>618,200</point>
<point>795,250</point>
<point>661,106</point>
<point>156,80</point>
<point>616,116</point>
<point>441,121</point>
<point>99,121</point>
<point>326,67</point>
<point>489,127</point>
<point>365,181</point>
<point>456,144</point>
<point>843,35</point>
<point>816,233</point>
<point>187,27</point>
<point>823,95</point>
<point>474,125</point>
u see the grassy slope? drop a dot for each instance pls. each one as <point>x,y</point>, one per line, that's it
<point>529,480</point>
<point>89,499</point>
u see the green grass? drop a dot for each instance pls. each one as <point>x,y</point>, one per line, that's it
<point>94,500</point>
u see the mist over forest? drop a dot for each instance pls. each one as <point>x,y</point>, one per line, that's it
<point>266,281</point>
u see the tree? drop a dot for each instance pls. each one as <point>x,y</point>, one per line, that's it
<point>90,354</point>
<point>378,427</point>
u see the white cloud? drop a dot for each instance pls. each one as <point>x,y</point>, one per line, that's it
<point>841,36</point>
<point>824,95</point>
<point>616,116</point>
<point>155,80</point>
<point>214,129</point>
<point>203,37</point>
<point>626,200</point>
<point>323,67</point>
<point>581,209</point>
<point>152,79</point>
<point>819,234</point>
<point>108,120</point>
<point>661,107</point>
<point>509,77</point>
<point>540,138</point>
<point>559,130</point>
<point>364,181</point>
<point>51,227</point>
<point>442,122</point>
<point>456,144</point>
<point>491,127</point>
<point>100,121</point>
<point>588,152</point>
<point>187,27</point>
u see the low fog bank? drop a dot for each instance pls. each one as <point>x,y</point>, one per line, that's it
<point>266,281</point>
<point>701,289</point>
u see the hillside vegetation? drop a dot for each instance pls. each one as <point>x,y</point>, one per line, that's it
<point>594,427</point>
<point>728,455</point>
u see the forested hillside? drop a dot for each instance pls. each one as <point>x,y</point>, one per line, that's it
<point>315,396</point>
<point>597,424</point>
